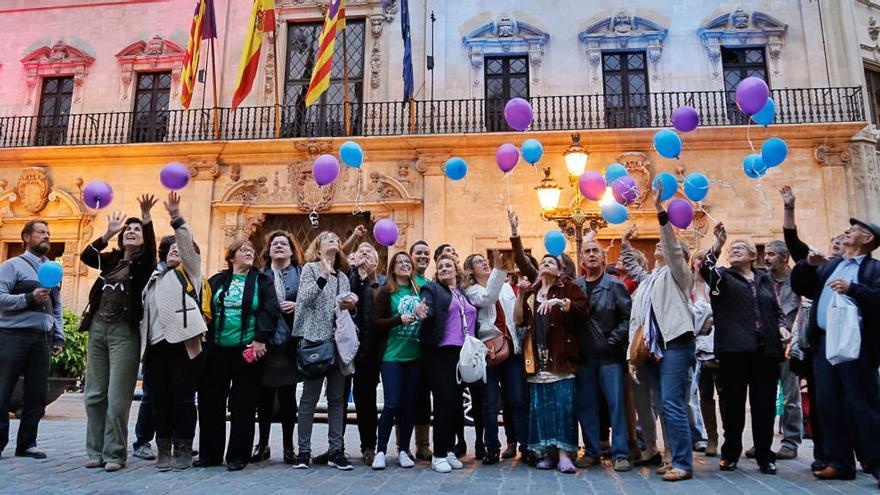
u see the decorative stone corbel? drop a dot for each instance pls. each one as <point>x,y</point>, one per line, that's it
<point>831,155</point>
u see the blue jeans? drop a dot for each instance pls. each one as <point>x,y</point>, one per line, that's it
<point>671,382</point>
<point>609,376</point>
<point>400,384</point>
<point>510,375</point>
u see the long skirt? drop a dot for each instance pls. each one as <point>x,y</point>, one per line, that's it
<point>551,416</point>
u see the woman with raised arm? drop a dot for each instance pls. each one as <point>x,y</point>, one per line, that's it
<point>113,318</point>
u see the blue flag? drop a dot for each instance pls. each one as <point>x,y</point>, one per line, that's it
<point>407,51</point>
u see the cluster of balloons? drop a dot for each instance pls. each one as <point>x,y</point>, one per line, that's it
<point>773,153</point>
<point>753,98</point>
<point>326,167</point>
<point>507,155</point>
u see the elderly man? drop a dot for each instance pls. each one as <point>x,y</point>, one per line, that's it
<point>30,329</point>
<point>602,359</point>
<point>849,392</point>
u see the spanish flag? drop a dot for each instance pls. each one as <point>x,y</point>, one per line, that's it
<point>262,21</point>
<point>203,27</point>
<point>335,19</point>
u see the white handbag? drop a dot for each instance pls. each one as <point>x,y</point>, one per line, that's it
<point>843,335</point>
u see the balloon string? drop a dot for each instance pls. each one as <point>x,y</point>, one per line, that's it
<point>760,188</point>
<point>705,212</point>
<point>748,135</point>
<point>507,184</point>
<point>357,198</point>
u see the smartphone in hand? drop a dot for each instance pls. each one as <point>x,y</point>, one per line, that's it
<point>248,355</point>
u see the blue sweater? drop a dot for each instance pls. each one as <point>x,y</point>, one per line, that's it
<point>18,310</point>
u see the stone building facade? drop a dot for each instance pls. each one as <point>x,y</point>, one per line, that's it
<point>90,91</point>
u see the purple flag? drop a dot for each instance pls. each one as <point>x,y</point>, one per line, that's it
<point>209,23</point>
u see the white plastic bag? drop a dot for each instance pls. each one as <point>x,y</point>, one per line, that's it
<point>471,361</point>
<point>843,336</point>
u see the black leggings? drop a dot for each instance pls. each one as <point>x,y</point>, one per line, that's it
<point>286,397</point>
<point>440,364</point>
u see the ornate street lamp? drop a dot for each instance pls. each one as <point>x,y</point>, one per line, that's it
<point>576,157</point>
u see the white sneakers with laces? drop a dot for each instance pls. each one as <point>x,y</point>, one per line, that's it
<point>453,461</point>
<point>379,461</point>
<point>404,460</point>
<point>440,465</point>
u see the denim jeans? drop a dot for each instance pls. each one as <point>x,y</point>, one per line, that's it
<point>694,415</point>
<point>400,386</point>
<point>792,420</point>
<point>671,382</point>
<point>590,377</point>
<point>509,375</point>
<point>144,430</point>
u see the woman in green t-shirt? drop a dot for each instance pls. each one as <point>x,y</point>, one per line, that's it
<point>397,328</point>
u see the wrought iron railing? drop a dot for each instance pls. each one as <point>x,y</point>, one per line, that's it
<point>551,113</point>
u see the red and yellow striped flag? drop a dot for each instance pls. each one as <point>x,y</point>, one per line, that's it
<point>262,21</point>
<point>203,27</point>
<point>335,19</point>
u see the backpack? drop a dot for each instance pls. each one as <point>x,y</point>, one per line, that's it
<point>203,298</point>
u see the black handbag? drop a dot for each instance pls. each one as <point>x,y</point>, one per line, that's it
<point>316,359</point>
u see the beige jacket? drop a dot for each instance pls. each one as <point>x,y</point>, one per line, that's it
<point>164,299</point>
<point>669,288</point>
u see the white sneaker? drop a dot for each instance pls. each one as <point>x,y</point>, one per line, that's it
<point>440,465</point>
<point>379,461</point>
<point>453,461</point>
<point>403,459</point>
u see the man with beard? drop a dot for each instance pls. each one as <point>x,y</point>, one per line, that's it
<point>30,329</point>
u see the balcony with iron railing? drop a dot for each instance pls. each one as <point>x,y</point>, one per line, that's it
<point>551,113</point>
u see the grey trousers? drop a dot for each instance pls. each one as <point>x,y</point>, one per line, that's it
<point>792,419</point>
<point>648,411</point>
<point>335,410</point>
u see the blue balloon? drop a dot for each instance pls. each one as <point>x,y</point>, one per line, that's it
<point>351,154</point>
<point>696,186</point>
<point>50,274</point>
<point>455,168</point>
<point>614,172</point>
<point>773,152</point>
<point>532,150</point>
<point>766,115</point>
<point>754,166</point>
<point>670,185</point>
<point>554,242</point>
<point>615,213</point>
<point>667,143</point>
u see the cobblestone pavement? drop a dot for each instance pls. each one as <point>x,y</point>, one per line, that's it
<point>62,437</point>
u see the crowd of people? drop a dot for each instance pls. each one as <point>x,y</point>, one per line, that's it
<point>605,354</point>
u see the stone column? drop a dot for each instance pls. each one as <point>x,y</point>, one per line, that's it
<point>863,175</point>
<point>833,162</point>
<point>196,202</point>
<point>434,200</point>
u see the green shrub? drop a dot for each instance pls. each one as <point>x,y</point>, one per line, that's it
<point>71,363</point>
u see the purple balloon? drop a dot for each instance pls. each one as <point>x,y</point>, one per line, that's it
<point>685,118</point>
<point>680,212</point>
<point>174,176</point>
<point>592,185</point>
<point>326,169</point>
<point>506,157</point>
<point>751,95</point>
<point>518,114</point>
<point>385,231</point>
<point>97,194</point>
<point>625,190</point>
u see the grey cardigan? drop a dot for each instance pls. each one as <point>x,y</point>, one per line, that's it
<point>316,303</point>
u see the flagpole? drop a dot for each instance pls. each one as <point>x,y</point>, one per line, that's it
<point>214,84</point>
<point>346,110</point>
<point>275,68</point>
<point>412,115</point>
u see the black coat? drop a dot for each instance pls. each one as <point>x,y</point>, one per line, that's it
<point>808,281</point>
<point>607,330</point>
<point>437,297</point>
<point>364,317</point>
<point>268,310</point>
<point>733,310</point>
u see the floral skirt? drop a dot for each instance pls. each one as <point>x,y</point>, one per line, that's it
<point>551,416</point>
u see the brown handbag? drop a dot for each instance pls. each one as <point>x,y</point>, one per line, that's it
<point>499,350</point>
<point>638,351</point>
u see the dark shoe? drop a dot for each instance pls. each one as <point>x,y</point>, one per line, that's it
<point>769,468</point>
<point>818,465</point>
<point>655,460</point>
<point>261,453</point>
<point>206,463</point>
<point>509,452</point>
<point>163,462</point>
<point>712,448</point>
<point>750,454</point>
<point>369,457</point>
<point>530,457</point>
<point>235,465</point>
<point>31,452</point>
<point>479,451</point>
<point>339,461</point>
<point>786,453</point>
<point>289,456</point>
<point>183,455</point>
<point>460,449</point>
<point>303,460</point>
<point>322,459</point>
<point>586,461</point>
<point>491,458</point>
<point>725,465</point>
<point>829,473</point>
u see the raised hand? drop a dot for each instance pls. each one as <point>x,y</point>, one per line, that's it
<point>360,231</point>
<point>172,206</point>
<point>720,236</point>
<point>514,222</point>
<point>524,284</point>
<point>788,197</point>
<point>816,258</point>
<point>658,195</point>
<point>421,311</point>
<point>115,223</point>
<point>497,259</point>
<point>147,202</point>
<point>630,232</point>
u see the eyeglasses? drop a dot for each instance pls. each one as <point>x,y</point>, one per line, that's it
<point>402,262</point>
<point>479,261</point>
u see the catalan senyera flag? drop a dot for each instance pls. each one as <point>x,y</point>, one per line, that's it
<point>262,22</point>
<point>333,21</point>
<point>203,27</point>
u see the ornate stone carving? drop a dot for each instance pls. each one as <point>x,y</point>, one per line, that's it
<point>235,172</point>
<point>307,194</point>
<point>57,60</point>
<point>622,31</point>
<point>33,189</point>
<point>156,53</point>
<point>830,155</point>
<point>269,70</point>
<point>642,171</point>
<point>738,28</point>
<point>248,190</point>
<point>313,147</point>
<point>503,36</point>
<point>375,68</point>
<point>873,28</point>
